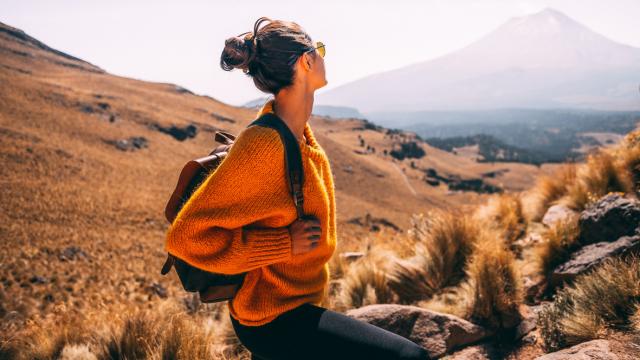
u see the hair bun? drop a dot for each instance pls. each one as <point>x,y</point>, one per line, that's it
<point>239,52</point>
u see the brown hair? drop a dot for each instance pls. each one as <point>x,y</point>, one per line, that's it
<point>268,54</point>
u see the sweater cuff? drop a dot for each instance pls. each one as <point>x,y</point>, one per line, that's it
<point>268,245</point>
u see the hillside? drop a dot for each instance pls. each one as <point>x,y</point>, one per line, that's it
<point>424,250</point>
<point>89,160</point>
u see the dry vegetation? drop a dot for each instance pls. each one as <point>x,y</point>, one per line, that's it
<point>598,302</point>
<point>84,282</point>
<point>449,261</point>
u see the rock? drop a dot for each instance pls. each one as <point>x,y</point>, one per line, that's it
<point>609,218</point>
<point>556,213</point>
<point>132,143</point>
<point>72,253</point>
<point>476,352</point>
<point>528,323</point>
<point>76,352</point>
<point>590,350</point>
<point>439,333</point>
<point>534,287</point>
<point>178,133</point>
<point>592,255</point>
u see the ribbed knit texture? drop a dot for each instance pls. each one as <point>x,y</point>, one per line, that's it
<point>237,221</point>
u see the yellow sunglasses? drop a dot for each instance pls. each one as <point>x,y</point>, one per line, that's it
<point>321,48</point>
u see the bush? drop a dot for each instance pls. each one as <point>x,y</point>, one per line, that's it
<point>599,301</point>
<point>443,244</point>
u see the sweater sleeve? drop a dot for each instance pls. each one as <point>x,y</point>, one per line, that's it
<point>213,231</point>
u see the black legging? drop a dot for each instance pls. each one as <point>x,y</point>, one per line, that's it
<point>312,332</point>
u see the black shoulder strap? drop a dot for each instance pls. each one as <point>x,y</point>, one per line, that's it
<point>292,156</point>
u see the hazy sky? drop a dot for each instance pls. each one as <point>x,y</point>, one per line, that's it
<point>180,41</point>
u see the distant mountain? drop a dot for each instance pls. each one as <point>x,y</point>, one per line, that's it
<point>321,110</point>
<point>337,111</point>
<point>256,103</point>
<point>544,60</point>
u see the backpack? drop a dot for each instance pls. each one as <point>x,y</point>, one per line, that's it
<point>215,287</point>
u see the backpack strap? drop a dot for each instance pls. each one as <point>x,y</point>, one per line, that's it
<point>292,156</point>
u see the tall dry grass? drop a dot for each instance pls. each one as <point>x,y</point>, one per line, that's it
<point>497,284</point>
<point>547,190</point>
<point>463,266</point>
<point>605,170</point>
<point>444,243</point>
<point>558,241</point>
<point>167,332</point>
<point>602,173</point>
<point>504,212</point>
<point>628,154</point>
<point>365,282</point>
<point>598,302</point>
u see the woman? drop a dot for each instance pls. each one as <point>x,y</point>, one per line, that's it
<point>243,219</point>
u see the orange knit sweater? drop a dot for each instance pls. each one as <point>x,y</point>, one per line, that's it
<point>237,221</point>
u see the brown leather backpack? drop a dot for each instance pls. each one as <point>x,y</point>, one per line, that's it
<point>215,287</point>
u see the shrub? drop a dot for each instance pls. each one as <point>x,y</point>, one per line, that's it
<point>365,283</point>
<point>601,300</point>
<point>600,175</point>
<point>444,241</point>
<point>504,213</point>
<point>548,189</point>
<point>557,243</point>
<point>497,284</point>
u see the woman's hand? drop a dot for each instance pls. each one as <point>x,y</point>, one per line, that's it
<point>305,234</point>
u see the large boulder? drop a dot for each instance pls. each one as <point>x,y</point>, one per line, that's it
<point>593,350</point>
<point>609,218</point>
<point>593,255</point>
<point>439,333</point>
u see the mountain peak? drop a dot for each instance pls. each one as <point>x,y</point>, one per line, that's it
<point>548,20</point>
<point>551,12</point>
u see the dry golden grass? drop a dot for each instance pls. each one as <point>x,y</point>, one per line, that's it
<point>557,244</point>
<point>365,282</point>
<point>504,212</point>
<point>548,189</point>
<point>602,173</point>
<point>444,242</point>
<point>497,283</point>
<point>628,154</point>
<point>164,333</point>
<point>598,302</point>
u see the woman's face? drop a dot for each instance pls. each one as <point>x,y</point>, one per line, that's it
<point>312,65</point>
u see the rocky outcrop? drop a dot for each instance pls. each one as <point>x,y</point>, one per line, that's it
<point>611,217</point>
<point>593,255</point>
<point>595,350</point>
<point>439,333</point>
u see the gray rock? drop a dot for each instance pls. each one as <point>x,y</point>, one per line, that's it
<point>609,218</point>
<point>590,350</point>
<point>556,213</point>
<point>475,352</point>
<point>593,255</point>
<point>437,332</point>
